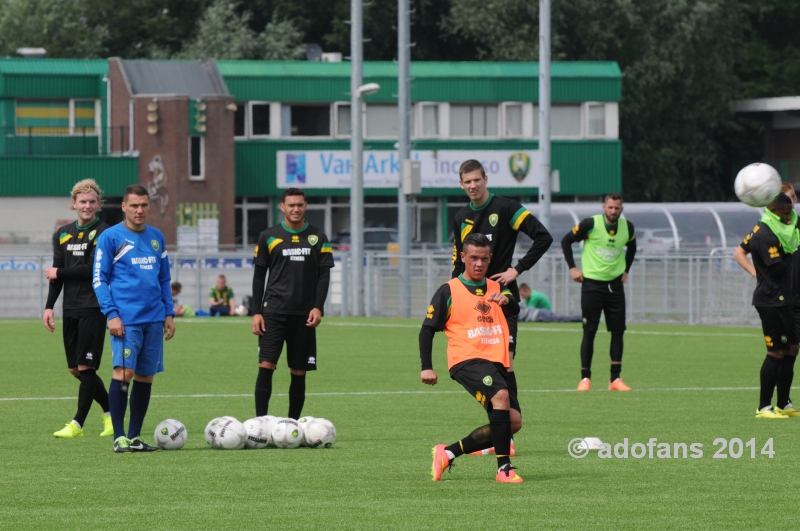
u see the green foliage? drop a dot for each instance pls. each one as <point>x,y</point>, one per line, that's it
<point>64,29</point>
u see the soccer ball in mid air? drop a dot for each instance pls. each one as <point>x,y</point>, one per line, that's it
<point>757,184</point>
<point>170,434</point>
<point>230,435</point>
<point>320,433</point>
<point>286,433</point>
<point>257,433</point>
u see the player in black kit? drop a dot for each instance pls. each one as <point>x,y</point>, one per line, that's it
<point>500,220</point>
<point>298,257</point>
<point>84,325</point>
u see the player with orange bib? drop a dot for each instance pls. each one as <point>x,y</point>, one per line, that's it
<point>471,310</point>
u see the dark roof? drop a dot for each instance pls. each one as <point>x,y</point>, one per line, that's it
<point>195,79</point>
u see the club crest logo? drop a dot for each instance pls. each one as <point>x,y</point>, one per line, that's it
<point>520,165</point>
<point>91,234</point>
<point>487,381</point>
<point>126,353</point>
<point>164,431</point>
<point>313,239</point>
<point>154,243</point>
<point>493,219</point>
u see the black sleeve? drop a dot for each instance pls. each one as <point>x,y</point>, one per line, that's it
<point>578,233</point>
<point>768,248</point>
<point>81,272</point>
<point>458,265</point>
<point>260,268</point>
<point>630,251</point>
<point>542,240</point>
<point>322,287</point>
<point>512,308</point>
<point>54,290</point>
<point>435,321</point>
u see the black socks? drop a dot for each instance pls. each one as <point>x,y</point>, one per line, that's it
<point>263,390</point>
<point>587,351</point>
<point>785,377</point>
<point>500,426</point>
<point>479,439</point>
<point>297,396</point>
<point>86,393</point>
<point>769,378</point>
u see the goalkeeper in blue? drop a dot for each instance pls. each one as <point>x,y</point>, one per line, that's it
<point>132,282</point>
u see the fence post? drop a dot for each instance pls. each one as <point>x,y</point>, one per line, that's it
<point>345,285</point>
<point>368,287</point>
<point>41,285</point>
<point>197,262</point>
<point>691,292</point>
<point>429,290</point>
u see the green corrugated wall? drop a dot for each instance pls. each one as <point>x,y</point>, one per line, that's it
<point>587,167</point>
<point>49,176</point>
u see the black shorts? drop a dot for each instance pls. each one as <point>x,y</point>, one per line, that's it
<point>796,321</point>
<point>84,339</point>
<point>301,341</point>
<point>483,379</point>
<point>778,326</point>
<point>605,297</point>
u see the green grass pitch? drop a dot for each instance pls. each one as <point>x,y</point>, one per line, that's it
<point>692,385</point>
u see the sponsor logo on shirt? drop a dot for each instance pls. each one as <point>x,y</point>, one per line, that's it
<point>295,238</point>
<point>773,252</point>
<point>429,315</point>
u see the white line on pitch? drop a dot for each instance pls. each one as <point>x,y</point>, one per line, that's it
<point>374,393</point>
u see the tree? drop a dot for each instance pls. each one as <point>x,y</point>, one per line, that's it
<point>61,28</point>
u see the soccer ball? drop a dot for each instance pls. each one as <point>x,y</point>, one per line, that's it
<point>211,431</point>
<point>230,435</point>
<point>286,433</point>
<point>320,433</point>
<point>757,184</point>
<point>257,434</point>
<point>270,420</point>
<point>170,434</point>
<point>304,422</point>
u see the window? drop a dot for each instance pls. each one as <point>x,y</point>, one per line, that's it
<point>305,120</point>
<point>565,121</point>
<point>430,120</point>
<point>196,158</point>
<point>57,117</point>
<point>512,119</point>
<point>473,120</point>
<point>259,116</point>
<point>342,119</point>
<point>382,121</point>
<point>240,119</point>
<point>597,120</point>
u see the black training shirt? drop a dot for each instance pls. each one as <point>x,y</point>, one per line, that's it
<point>773,267</point>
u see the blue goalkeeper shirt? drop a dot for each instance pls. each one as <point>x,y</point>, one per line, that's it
<point>131,275</point>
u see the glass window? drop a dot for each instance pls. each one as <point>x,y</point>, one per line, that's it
<point>473,120</point>
<point>382,121</point>
<point>565,120</point>
<point>309,120</point>
<point>260,119</point>
<point>239,119</point>
<point>597,120</point>
<point>430,120</point>
<point>196,157</point>
<point>84,119</point>
<point>343,120</point>
<point>513,120</point>
<point>56,117</point>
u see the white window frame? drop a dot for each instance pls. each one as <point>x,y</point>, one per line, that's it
<point>418,119</point>
<point>335,118</point>
<point>97,120</point>
<point>248,119</point>
<point>502,118</point>
<point>488,137</point>
<point>585,120</point>
<point>202,176</point>
<point>331,131</point>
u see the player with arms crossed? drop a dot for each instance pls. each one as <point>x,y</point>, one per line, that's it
<point>299,260</point>
<point>500,220</point>
<point>84,324</point>
<point>605,270</point>
<point>472,312</point>
<point>772,243</point>
<point>132,283</point>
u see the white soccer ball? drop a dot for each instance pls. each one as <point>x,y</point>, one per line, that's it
<point>270,420</point>
<point>170,434</point>
<point>211,431</point>
<point>320,433</point>
<point>230,435</point>
<point>257,434</point>
<point>757,184</point>
<point>304,422</point>
<point>286,433</point>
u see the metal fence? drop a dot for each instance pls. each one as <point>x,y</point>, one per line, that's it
<point>702,289</point>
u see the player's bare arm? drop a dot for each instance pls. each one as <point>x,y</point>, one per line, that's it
<point>169,328</point>
<point>314,318</point>
<point>429,377</point>
<point>740,255</point>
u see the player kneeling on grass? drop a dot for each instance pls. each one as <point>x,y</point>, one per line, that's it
<point>471,310</point>
<point>772,243</point>
<point>131,281</point>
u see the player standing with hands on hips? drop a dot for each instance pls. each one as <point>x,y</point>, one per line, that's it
<point>472,312</point>
<point>132,283</point>
<point>299,259</point>
<point>605,270</point>
<point>84,324</point>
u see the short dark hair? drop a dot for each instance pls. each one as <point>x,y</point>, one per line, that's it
<point>176,286</point>
<point>134,189</point>
<point>780,199</point>
<point>469,166</point>
<point>292,191</point>
<point>477,240</point>
<point>524,286</point>
<point>614,196</point>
